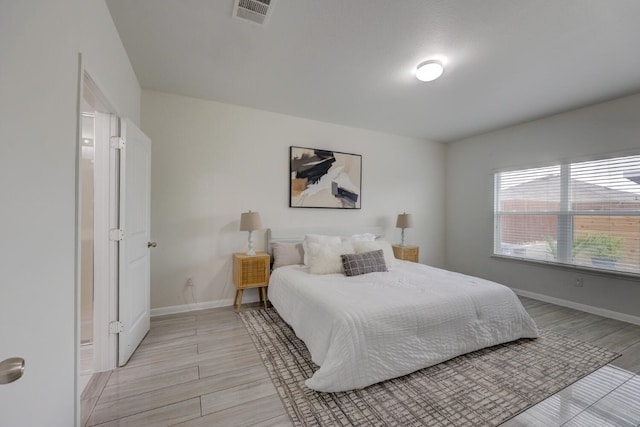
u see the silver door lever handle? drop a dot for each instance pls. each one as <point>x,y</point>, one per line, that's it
<point>11,370</point>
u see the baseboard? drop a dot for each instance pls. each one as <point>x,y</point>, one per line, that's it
<point>185,308</point>
<point>582,307</point>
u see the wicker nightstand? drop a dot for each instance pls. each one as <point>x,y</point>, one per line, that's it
<point>407,253</point>
<point>251,271</point>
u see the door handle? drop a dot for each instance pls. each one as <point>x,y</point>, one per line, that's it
<point>152,244</point>
<point>11,370</point>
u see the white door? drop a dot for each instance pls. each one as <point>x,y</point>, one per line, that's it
<point>134,250</point>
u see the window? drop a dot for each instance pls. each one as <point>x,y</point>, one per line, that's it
<point>584,214</point>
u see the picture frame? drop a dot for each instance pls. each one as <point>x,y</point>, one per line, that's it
<point>324,179</point>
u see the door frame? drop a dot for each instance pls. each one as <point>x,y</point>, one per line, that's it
<point>105,305</point>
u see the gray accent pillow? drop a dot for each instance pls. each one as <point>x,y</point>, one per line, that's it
<point>286,254</point>
<point>362,263</point>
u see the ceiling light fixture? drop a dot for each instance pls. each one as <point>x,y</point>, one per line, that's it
<point>429,70</point>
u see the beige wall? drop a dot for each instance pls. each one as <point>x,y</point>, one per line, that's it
<point>39,45</point>
<point>212,161</point>
<point>609,127</point>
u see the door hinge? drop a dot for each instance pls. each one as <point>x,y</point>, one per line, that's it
<point>116,234</point>
<point>117,142</point>
<point>116,327</point>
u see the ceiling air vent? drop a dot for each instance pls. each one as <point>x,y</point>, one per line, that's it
<point>257,11</point>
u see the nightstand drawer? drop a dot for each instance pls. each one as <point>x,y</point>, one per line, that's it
<point>406,253</point>
<point>250,271</point>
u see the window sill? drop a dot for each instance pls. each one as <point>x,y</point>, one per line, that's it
<point>570,267</point>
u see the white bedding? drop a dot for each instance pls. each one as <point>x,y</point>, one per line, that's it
<point>365,329</point>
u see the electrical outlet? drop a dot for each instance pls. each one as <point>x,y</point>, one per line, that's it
<point>578,283</point>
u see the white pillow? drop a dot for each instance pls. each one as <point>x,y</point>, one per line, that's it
<point>326,258</point>
<point>387,250</point>
<point>317,238</point>
<point>364,237</point>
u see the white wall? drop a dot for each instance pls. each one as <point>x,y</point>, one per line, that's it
<point>212,161</point>
<point>39,45</point>
<point>608,127</point>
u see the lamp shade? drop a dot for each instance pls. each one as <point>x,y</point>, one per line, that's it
<point>250,221</point>
<point>404,221</point>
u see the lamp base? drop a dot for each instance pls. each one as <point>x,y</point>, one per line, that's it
<point>250,252</point>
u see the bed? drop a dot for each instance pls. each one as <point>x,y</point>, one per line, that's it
<point>371,327</point>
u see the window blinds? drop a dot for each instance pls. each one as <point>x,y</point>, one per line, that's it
<point>582,213</point>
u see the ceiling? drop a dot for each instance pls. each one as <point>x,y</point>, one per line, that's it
<point>351,62</point>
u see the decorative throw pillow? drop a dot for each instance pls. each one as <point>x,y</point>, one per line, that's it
<point>286,254</point>
<point>366,262</point>
<point>325,258</point>
<point>317,238</point>
<point>389,257</point>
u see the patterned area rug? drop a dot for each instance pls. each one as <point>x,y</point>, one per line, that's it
<point>483,388</point>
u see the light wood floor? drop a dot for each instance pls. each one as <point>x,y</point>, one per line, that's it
<point>201,369</point>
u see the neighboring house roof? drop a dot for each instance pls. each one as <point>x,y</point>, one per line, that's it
<point>548,188</point>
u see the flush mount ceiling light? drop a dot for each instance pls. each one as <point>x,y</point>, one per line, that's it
<point>429,70</point>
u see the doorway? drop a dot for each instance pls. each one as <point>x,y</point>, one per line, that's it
<point>113,293</point>
<point>97,257</point>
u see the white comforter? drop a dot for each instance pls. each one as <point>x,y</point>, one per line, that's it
<point>365,329</point>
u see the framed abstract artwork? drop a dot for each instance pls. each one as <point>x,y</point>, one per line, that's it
<point>324,179</point>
